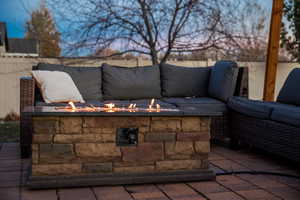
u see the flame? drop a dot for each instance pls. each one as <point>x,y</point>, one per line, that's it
<point>157,106</point>
<point>151,104</point>
<point>109,105</point>
<point>72,105</point>
<point>132,106</point>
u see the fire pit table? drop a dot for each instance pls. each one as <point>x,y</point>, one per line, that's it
<point>73,147</point>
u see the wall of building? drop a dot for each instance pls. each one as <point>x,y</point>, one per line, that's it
<point>12,68</point>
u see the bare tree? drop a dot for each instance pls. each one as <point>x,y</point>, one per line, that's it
<point>156,28</point>
<point>253,33</point>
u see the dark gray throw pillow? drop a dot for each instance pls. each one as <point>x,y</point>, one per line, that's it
<point>48,67</point>
<point>87,79</point>
<point>290,92</point>
<point>130,82</point>
<point>184,81</point>
<point>223,78</point>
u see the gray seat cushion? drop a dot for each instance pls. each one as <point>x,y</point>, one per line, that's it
<point>253,108</point>
<point>289,115</point>
<point>290,92</point>
<point>87,79</point>
<point>223,78</point>
<point>184,81</point>
<point>130,82</point>
<point>192,100</point>
<point>199,105</point>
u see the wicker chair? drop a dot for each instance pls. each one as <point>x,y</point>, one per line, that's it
<point>271,136</point>
<point>271,126</point>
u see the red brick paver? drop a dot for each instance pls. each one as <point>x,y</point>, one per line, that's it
<point>257,195</point>
<point>224,196</point>
<point>226,187</point>
<point>208,187</point>
<point>76,193</point>
<point>261,181</point>
<point>145,192</point>
<point>235,183</point>
<point>286,193</point>
<point>112,193</point>
<point>180,192</point>
<point>11,193</point>
<point>38,194</point>
<point>229,165</point>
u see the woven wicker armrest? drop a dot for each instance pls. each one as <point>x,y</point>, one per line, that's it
<point>27,87</point>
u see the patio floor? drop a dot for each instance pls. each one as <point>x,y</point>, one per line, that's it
<point>226,187</point>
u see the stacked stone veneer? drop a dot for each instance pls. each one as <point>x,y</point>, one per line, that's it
<point>87,145</point>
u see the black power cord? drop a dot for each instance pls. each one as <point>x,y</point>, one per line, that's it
<point>258,173</point>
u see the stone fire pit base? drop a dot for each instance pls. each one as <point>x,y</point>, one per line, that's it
<point>74,151</point>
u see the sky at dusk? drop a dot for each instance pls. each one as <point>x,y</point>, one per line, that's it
<point>16,12</point>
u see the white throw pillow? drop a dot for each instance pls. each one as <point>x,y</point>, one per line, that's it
<point>57,86</point>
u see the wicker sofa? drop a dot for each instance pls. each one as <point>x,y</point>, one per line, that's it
<point>270,126</point>
<point>192,89</point>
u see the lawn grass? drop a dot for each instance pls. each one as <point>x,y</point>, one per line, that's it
<point>9,131</point>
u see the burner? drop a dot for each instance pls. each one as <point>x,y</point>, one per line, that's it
<point>110,107</point>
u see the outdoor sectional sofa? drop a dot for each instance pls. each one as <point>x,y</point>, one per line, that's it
<point>195,90</point>
<point>271,126</point>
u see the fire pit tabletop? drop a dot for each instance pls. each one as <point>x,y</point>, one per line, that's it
<point>142,112</point>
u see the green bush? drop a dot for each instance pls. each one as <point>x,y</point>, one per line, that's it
<point>9,131</point>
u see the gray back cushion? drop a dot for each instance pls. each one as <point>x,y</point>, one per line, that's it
<point>87,79</point>
<point>184,81</point>
<point>223,78</point>
<point>130,82</point>
<point>48,67</point>
<point>290,92</point>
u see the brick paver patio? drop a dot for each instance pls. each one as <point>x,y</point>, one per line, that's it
<point>226,187</point>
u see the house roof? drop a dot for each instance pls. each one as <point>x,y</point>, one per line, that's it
<point>18,45</point>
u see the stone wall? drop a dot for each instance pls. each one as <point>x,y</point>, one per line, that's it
<point>87,145</point>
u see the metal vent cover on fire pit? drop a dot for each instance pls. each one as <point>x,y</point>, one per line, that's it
<point>127,136</point>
